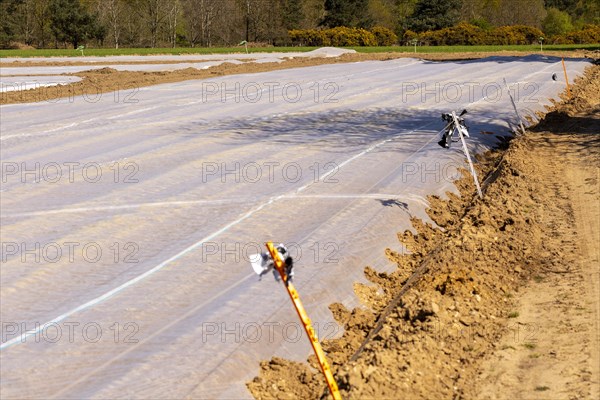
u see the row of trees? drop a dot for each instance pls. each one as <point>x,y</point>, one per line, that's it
<point>152,23</point>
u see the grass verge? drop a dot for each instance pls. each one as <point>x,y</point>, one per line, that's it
<point>231,50</point>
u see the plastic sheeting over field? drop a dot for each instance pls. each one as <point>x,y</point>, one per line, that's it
<point>127,220</point>
<point>9,84</point>
<point>154,63</point>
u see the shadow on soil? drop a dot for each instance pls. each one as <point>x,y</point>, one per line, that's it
<point>586,126</point>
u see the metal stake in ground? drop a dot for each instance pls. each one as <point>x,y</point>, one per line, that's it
<point>460,128</point>
<point>566,78</point>
<point>312,335</point>
<point>512,100</point>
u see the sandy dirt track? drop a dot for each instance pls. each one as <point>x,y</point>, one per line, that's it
<point>556,354</point>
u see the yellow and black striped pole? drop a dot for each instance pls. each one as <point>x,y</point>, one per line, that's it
<point>312,336</point>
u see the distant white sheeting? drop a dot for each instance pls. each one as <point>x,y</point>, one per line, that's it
<point>21,78</point>
<point>11,84</point>
<point>72,69</point>
<point>166,57</point>
<point>329,52</point>
<point>321,52</point>
<point>268,60</point>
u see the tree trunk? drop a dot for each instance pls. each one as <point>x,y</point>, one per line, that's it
<point>175,31</point>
